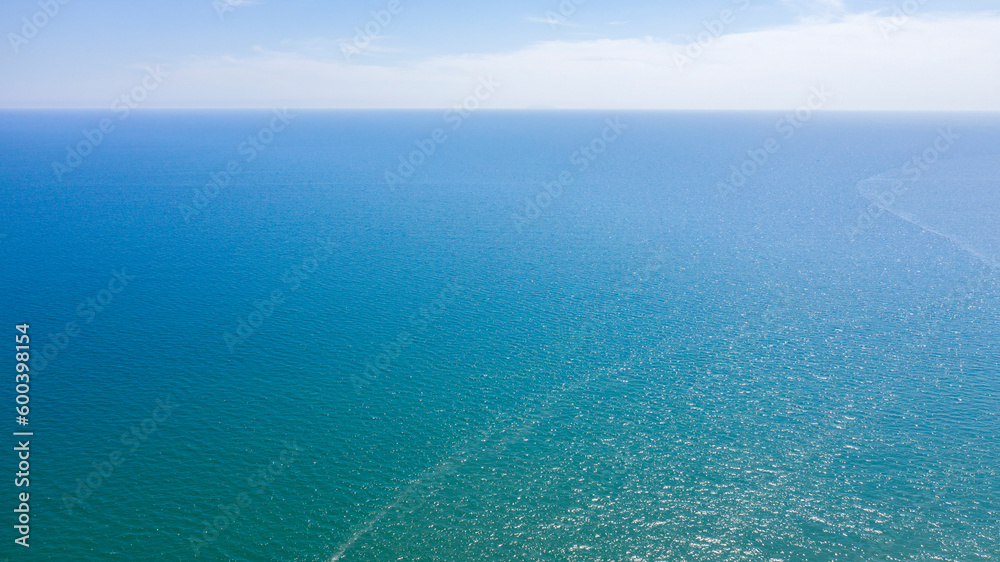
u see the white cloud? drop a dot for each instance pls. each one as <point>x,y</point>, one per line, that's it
<point>818,5</point>
<point>930,63</point>
<point>551,20</point>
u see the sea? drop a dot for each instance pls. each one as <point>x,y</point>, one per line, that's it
<point>514,335</point>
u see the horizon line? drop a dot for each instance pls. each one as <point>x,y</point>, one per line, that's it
<point>500,109</point>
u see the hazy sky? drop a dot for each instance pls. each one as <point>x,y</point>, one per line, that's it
<point>630,54</point>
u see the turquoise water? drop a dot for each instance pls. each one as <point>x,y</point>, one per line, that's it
<point>311,364</point>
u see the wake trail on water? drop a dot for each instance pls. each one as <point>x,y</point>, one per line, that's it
<point>507,428</point>
<point>958,200</point>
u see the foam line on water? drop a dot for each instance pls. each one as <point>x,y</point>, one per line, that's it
<point>962,177</point>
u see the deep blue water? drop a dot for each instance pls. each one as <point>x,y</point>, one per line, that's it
<point>633,366</point>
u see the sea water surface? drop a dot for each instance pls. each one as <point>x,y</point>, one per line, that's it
<point>550,336</point>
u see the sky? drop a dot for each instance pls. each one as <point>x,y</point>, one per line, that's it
<point>913,55</point>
